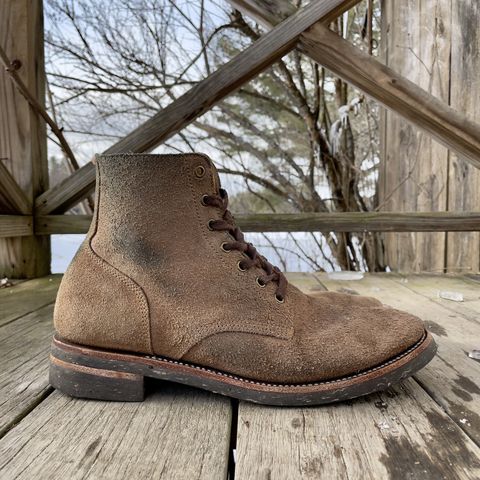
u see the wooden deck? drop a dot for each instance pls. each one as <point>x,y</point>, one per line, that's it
<point>428,428</point>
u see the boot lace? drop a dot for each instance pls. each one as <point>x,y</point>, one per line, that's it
<point>252,257</point>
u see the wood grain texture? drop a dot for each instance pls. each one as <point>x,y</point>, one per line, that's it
<point>463,250</point>
<point>394,435</point>
<point>435,43</point>
<point>26,297</point>
<point>430,286</point>
<point>307,222</point>
<point>414,173</point>
<point>175,433</point>
<point>452,378</point>
<point>427,428</point>
<point>23,140</point>
<point>198,100</point>
<point>399,434</point>
<point>25,344</point>
<point>54,224</point>
<point>67,193</point>
<point>15,226</point>
<point>391,88</point>
<point>12,198</point>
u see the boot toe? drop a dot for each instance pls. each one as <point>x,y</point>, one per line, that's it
<point>354,339</point>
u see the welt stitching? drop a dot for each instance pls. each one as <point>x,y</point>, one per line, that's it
<point>292,385</point>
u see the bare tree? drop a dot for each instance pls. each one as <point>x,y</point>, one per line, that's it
<point>299,139</point>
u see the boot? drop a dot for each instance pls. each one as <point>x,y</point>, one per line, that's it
<point>165,286</point>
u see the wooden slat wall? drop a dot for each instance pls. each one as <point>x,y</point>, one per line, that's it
<point>416,39</point>
<point>463,250</point>
<point>23,144</point>
<point>425,42</point>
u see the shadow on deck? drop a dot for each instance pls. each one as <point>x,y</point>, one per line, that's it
<point>427,428</point>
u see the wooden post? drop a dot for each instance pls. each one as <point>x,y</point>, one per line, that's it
<point>438,51</point>
<point>463,250</point>
<point>23,148</point>
<point>416,43</point>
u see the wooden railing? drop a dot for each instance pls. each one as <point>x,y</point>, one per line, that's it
<point>26,225</point>
<point>306,30</point>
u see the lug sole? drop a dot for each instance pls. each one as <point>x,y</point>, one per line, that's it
<point>87,372</point>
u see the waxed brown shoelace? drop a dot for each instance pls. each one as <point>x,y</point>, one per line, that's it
<point>252,257</point>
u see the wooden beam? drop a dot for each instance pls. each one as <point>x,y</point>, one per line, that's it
<point>12,198</point>
<point>176,116</point>
<point>67,193</point>
<point>23,139</point>
<point>16,226</point>
<point>55,224</point>
<point>450,127</point>
<point>308,222</point>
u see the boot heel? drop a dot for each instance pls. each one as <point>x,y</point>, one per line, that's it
<point>96,383</point>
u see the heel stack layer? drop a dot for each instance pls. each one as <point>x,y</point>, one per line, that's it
<point>83,381</point>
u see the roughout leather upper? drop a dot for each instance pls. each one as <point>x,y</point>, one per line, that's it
<point>151,277</point>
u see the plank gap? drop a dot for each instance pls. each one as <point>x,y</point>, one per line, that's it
<point>233,439</point>
<point>8,322</point>
<point>24,413</point>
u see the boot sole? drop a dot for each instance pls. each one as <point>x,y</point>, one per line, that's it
<point>87,372</point>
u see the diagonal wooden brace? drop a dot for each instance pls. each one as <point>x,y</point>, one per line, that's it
<point>325,47</point>
<point>12,197</point>
<point>449,127</point>
<point>263,53</point>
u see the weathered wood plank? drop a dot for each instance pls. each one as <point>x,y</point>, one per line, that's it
<point>394,435</point>
<point>54,224</point>
<point>175,433</point>
<point>307,222</point>
<point>198,100</point>
<point>414,168</point>
<point>26,297</point>
<point>463,252</point>
<point>24,344</point>
<point>392,90</point>
<point>402,433</point>
<point>430,286</point>
<point>23,139</point>
<point>182,432</point>
<point>451,378</point>
<point>12,198</point>
<point>15,226</point>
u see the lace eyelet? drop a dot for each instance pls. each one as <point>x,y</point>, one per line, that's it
<point>260,282</point>
<point>209,225</point>
<point>199,171</point>
<point>279,299</point>
<point>239,266</point>
<point>223,245</point>
<point>202,201</point>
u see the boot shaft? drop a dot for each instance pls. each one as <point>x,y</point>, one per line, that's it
<point>153,275</point>
<point>149,204</point>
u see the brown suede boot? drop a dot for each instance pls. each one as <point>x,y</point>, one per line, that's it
<point>165,286</point>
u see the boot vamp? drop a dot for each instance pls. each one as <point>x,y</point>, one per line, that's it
<point>335,335</point>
